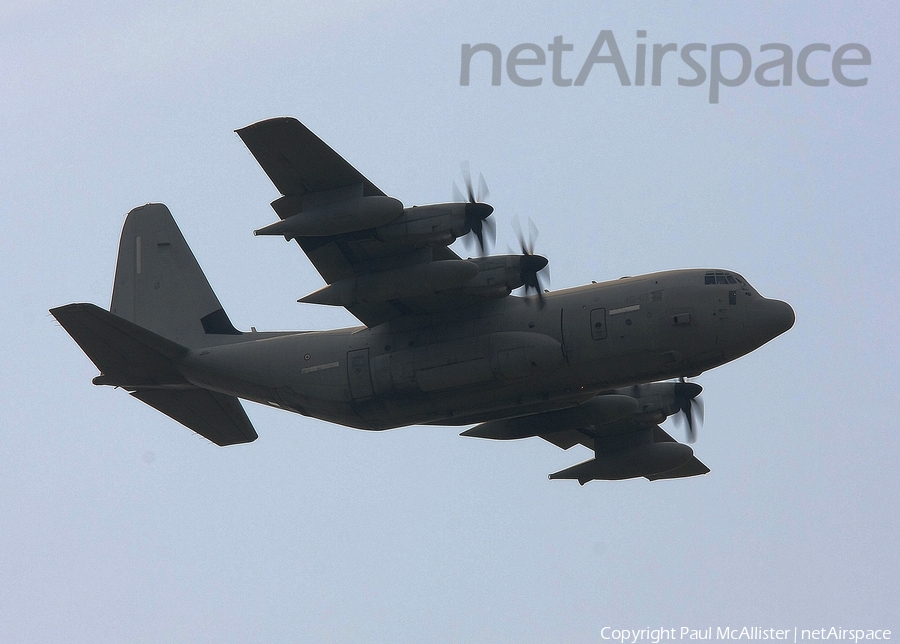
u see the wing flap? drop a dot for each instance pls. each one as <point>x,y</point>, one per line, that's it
<point>567,438</point>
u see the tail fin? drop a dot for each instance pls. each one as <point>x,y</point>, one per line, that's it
<point>162,305</point>
<point>159,284</point>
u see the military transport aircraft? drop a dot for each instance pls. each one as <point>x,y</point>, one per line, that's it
<point>443,341</point>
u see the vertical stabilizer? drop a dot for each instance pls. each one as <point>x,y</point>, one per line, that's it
<point>159,284</point>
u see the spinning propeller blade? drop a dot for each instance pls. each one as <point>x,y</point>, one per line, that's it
<point>690,406</point>
<point>477,211</point>
<point>530,265</point>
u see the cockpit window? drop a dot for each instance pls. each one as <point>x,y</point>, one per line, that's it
<point>719,277</point>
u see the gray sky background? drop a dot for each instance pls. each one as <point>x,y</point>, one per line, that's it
<point>117,524</point>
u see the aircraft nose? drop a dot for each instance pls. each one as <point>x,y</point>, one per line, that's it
<point>776,317</point>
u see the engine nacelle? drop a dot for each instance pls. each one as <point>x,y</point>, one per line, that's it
<point>438,224</point>
<point>441,366</point>
<point>507,355</point>
<point>398,283</point>
<point>498,276</point>
<point>337,218</point>
<point>656,401</point>
<point>598,410</point>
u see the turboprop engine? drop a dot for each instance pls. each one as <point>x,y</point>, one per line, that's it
<point>394,284</point>
<point>493,276</point>
<point>437,224</point>
<point>596,411</point>
<point>336,218</point>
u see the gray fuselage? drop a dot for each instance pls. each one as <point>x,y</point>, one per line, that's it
<point>502,358</point>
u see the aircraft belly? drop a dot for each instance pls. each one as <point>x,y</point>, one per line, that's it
<point>487,400</point>
<point>335,377</point>
<point>290,370</point>
<point>450,365</point>
<point>458,377</point>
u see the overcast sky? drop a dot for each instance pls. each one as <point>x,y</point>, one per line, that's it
<point>119,525</point>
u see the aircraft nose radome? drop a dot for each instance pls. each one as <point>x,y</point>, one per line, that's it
<point>778,317</point>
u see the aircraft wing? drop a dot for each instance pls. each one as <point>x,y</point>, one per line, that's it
<point>310,176</point>
<point>623,434</point>
<point>608,442</point>
<point>297,161</point>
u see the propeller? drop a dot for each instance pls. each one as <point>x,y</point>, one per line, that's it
<point>530,264</point>
<point>690,405</point>
<point>477,212</point>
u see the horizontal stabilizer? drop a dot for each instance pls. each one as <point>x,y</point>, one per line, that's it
<point>143,362</point>
<point>217,417</point>
<point>128,355</point>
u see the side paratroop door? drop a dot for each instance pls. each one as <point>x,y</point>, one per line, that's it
<point>598,324</point>
<point>581,327</point>
<point>359,375</point>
